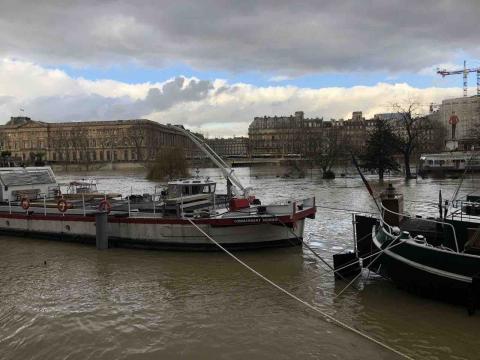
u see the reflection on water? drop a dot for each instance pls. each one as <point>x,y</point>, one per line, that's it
<point>133,304</point>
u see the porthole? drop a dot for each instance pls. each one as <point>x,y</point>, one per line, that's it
<point>67,227</point>
<point>7,222</point>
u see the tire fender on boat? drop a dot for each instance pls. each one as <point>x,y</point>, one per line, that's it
<point>25,203</point>
<point>105,206</point>
<point>62,205</point>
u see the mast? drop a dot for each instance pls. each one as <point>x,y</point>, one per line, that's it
<point>227,171</point>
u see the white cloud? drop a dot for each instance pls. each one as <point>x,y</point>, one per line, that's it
<point>214,107</point>
<point>230,112</point>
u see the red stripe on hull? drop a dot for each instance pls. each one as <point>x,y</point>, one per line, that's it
<point>286,219</point>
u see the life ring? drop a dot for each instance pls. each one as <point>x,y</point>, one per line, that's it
<point>105,206</point>
<point>25,203</point>
<point>62,205</point>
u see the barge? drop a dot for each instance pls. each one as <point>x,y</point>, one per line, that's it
<point>236,220</point>
<point>437,257</point>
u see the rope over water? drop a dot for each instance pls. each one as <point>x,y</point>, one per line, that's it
<point>325,315</point>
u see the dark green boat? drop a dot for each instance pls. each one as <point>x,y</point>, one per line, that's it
<point>438,258</point>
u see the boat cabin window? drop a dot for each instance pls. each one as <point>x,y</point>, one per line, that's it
<point>208,189</point>
<point>190,189</point>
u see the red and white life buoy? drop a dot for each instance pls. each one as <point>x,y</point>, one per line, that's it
<point>25,203</point>
<point>105,206</point>
<point>62,205</point>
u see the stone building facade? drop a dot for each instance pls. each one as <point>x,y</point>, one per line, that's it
<point>295,134</point>
<point>282,135</point>
<point>236,146</point>
<point>90,141</point>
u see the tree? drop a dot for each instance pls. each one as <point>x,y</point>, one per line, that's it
<point>170,163</point>
<point>37,158</point>
<point>380,149</point>
<point>6,159</point>
<point>411,130</point>
<point>138,138</point>
<point>329,150</point>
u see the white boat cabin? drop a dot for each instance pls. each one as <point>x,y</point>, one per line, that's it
<point>455,160</point>
<point>30,182</point>
<point>185,189</point>
<point>85,186</point>
<point>189,194</point>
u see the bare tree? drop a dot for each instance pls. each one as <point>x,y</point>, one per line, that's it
<point>138,139</point>
<point>411,129</point>
<point>78,142</point>
<point>59,146</point>
<point>325,148</point>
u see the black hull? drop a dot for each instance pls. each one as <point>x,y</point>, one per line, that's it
<point>447,276</point>
<point>426,284</point>
<point>424,270</point>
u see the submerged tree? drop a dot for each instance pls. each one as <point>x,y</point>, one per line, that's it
<point>381,146</point>
<point>170,163</point>
<point>411,130</point>
<point>329,152</point>
<point>325,149</point>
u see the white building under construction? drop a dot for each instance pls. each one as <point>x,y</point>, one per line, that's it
<point>461,118</point>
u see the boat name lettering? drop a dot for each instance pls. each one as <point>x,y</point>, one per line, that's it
<point>254,220</point>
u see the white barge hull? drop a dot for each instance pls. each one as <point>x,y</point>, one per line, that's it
<point>147,232</point>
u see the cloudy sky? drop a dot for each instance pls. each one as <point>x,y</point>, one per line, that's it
<point>215,64</point>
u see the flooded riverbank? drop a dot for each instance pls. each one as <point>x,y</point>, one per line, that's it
<point>62,300</point>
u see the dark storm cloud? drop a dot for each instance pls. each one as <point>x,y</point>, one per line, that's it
<point>97,107</point>
<point>290,37</point>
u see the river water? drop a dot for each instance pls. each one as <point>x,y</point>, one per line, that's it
<point>71,301</point>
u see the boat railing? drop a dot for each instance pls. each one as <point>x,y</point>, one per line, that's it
<point>465,210</point>
<point>421,219</point>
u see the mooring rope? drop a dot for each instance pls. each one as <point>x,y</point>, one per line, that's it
<point>378,253</point>
<point>310,306</point>
<point>305,244</point>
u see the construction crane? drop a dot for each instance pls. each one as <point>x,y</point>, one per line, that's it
<point>228,172</point>
<point>464,71</point>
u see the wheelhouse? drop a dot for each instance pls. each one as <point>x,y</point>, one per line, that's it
<point>183,188</point>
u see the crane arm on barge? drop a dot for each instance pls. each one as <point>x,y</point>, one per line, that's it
<point>227,171</point>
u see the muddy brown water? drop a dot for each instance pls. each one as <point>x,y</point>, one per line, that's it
<point>71,301</point>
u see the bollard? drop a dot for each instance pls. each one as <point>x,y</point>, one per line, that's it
<point>101,224</point>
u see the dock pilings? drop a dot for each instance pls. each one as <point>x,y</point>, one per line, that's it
<point>101,225</point>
